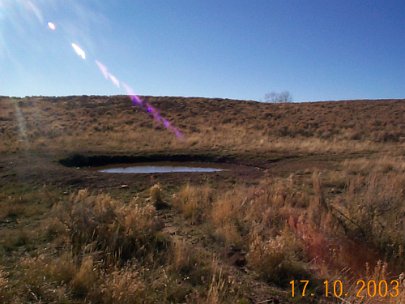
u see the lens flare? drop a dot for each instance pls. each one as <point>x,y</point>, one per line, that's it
<point>22,128</point>
<point>102,68</point>
<point>51,26</point>
<point>79,51</point>
<point>114,80</point>
<point>107,75</point>
<point>136,100</point>
<point>35,10</point>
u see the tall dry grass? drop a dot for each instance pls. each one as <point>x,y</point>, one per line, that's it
<point>371,206</point>
<point>101,250</point>
<point>5,290</point>
<point>193,202</point>
<point>100,223</point>
<point>377,273</point>
<point>293,229</point>
<point>257,220</point>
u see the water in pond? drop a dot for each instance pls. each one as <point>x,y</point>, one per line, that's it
<point>159,169</point>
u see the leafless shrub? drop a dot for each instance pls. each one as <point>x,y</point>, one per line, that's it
<point>275,97</point>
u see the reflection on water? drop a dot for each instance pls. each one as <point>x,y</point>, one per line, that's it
<point>158,169</point>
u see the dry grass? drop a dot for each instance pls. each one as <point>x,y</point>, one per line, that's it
<point>182,256</point>
<point>221,288</point>
<point>38,279</point>
<point>207,124</point>
<point>5,292</point>
<point>371,209</point>
<point>377,273</point>
<point>277,260</point>
<point>85,278</point>
<point>22,205</point>
<point>93,248</point>
<point>104,251</point>
<point>156,194</point>
<point>292,230</point>
<point>57,280</point>
<point>97,235</point>
<point>193,201</point>
<point>100,223</point>
<point>124,285</point>
<point>256,219</point>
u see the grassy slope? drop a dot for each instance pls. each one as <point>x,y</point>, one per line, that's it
<point>111,124</point>
<point>332,187</point>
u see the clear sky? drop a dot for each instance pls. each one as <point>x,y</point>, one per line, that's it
<point>243,49</point>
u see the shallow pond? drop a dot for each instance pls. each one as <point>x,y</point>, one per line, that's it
<point>144,169</point>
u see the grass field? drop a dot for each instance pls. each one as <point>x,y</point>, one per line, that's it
<point>314,191</point>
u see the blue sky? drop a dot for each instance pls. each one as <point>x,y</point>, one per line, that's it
<point>317,50</point>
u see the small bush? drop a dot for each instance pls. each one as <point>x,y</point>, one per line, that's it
<point>155,196</point>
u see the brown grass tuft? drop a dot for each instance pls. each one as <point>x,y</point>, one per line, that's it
<point>100,223</point>
<point>193,201</point>
<point>277,260</point>
<point>123,285</point>
<point>84,279</point>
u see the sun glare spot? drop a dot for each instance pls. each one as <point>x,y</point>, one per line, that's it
<point>79,51</point>
<point>22,129</point>
<point>51,26</point>
<point>102,68</point>
<point>107,75</point>
<point>35,10</point>
<point>114,80</point>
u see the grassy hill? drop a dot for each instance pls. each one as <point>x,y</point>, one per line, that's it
<point>113,124</point>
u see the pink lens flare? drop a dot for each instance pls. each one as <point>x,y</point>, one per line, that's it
<point>79,51</point>
<point>34,9</point>
<point>51,26</point>
<point>114,80</point>
<point>107,75</point>
<point>136,100</point>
